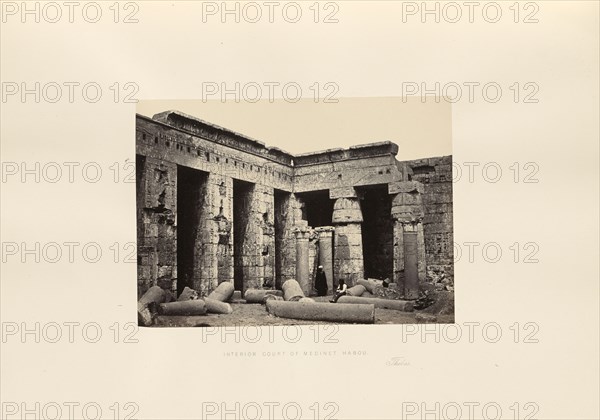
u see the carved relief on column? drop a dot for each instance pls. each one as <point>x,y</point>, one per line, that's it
<point>409,243</point>
<point>157,224</point>
<point>347,217</point>
<point>302,268</point>
<point>326,253</point>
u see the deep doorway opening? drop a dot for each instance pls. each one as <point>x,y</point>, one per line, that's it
<point>318,207</point>
<point>377,232</point>
<point>191,193</point>
<point>282,233</point>
<point>242,200</point>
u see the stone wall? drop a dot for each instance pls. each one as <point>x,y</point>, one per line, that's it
<point>242,205</point>
<point>436,176</point>
<point>157,231</point>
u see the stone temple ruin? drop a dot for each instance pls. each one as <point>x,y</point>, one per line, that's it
<point>216,206</point>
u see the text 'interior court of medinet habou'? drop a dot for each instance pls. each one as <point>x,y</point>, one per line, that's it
<point>216,207</point>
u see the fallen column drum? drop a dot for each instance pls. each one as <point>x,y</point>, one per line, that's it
<point>223,292</point>
<point>332,312</point>
<point>214,306</point>
<point>259,295</point>
<point>398,305</point>
<point>292,290</point>
<point>188,307</point>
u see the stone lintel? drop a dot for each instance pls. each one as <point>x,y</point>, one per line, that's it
<point>343,192</point>
<point>405,187</point>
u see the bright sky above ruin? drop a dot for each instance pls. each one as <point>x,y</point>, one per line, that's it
<point>419,129</point>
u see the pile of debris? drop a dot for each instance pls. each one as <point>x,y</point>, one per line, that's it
<point>358,306</point>
<point>158,301</point>
<point>378,288</point>
<point>438,277</point>
<point>424,300</point>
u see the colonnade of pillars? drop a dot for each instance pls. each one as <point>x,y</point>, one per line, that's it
<point>346,260</point>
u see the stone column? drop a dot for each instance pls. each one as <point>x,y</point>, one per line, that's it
<point>326,253</point>
<point>221,205</point>
<point>347,219</point>
<point>285,240</point>
<point>253,267</point>
<point>302,269</point>
<point>267,224</point>
<point>409,244</point>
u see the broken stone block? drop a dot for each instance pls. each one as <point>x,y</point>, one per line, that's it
<point>292,290</point>
<point>152,297</point>
<point>188,307</point>
<point>214,306</point>
<point>332,312</point>
<point>398,305</point>
<point>169,296</point>
<point>223,292</point>
<point>306,300</point>
<point>237,295</point>
<point>188,294</point>
<point>273,297</point>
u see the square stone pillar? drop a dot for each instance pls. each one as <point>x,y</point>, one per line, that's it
<point>409,242</point>
<point>219,221</point>
<point>156,184</point>
<point>267,225</point>
<point>348,263</point>
<point>285,239</point>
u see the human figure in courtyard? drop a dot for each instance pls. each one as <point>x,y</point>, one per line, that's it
<point>340,291</point>
<point>321,282</point>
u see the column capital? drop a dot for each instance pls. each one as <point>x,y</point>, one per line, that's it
<point>346,210</point>
<point>407,202</point>
<point>302,232</point>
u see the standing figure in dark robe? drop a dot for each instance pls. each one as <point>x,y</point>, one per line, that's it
<point>321,282</point>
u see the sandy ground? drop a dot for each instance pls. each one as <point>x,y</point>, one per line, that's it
<point>256,314</point>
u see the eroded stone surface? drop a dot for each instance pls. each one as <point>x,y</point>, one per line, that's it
<point>216,206</point>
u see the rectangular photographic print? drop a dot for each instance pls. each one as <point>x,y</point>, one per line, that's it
<point>235,230</point>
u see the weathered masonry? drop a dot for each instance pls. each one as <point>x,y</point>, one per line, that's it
<point>214,205</point>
